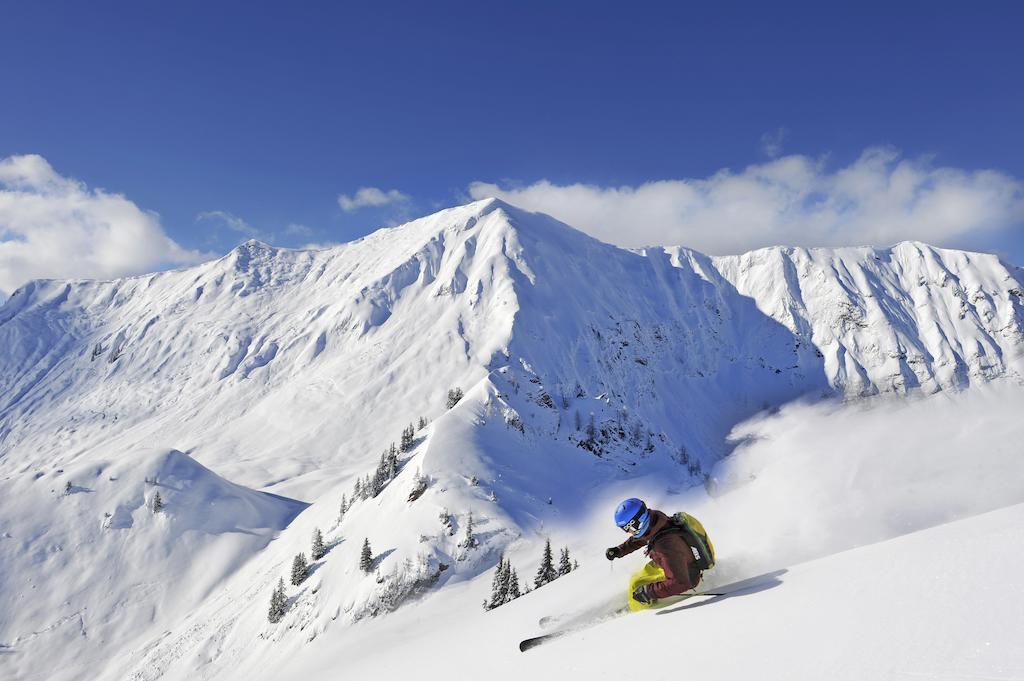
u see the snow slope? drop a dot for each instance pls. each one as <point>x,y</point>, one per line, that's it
<point>904,569</point>
<point>92,568</point>
<point>290,371</point>
<point>906,608</point>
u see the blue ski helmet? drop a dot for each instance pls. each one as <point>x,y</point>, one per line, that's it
<point>633,517</point>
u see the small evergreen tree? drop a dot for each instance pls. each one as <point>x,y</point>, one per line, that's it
<point>300,569</point>
<point>419,486</point>
<point>391,463</point>
<point>408,437</point>
<point>591,429</point>
<point>366,557</point>
<point>469,540</point>
<point>278,603</point>
<point>342,508</point>
<point>454,395</point>
<point>564,566</point>
<point>357,491</point>
<point>421,424</point>
<point>446,519</point>
<point>379,475</point>
<point>319,549</point>
<point>67,487</point>
<point>158,503</point>
<point>499,585</point>
<point>546,572</point>
<point>513,587</point>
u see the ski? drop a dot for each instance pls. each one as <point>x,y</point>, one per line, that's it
<point>713,592</point>
<point>530,643</point>
<point>549,621</point>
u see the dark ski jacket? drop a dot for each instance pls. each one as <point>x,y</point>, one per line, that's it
<point>666,547</point>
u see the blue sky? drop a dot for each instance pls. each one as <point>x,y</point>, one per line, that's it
<point>264,114</point>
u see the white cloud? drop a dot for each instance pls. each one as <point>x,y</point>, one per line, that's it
<point>771,142</point>
<point>53,226</point>
<point>879,199</point>
<point>229,220</point>
<point>295,229</point>
<point>370,197</point>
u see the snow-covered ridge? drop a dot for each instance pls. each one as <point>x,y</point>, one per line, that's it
<point>582,363</point>
<point>448,298</point>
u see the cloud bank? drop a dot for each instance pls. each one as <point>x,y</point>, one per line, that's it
<point>880,199</point>
<point>56,227</point>
<point>370,197</point>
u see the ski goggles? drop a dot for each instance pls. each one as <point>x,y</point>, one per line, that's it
<point>634,525</point>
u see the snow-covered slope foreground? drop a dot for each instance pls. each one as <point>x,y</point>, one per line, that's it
<point>589,372</point>
<point>881,595</point>
<point>944,603</point>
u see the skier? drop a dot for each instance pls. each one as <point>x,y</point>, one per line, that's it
<point>678,546</point>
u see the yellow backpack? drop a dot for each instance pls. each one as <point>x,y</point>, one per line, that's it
<point>697,537</point>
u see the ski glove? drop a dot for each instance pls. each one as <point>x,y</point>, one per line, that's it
<point>613,553</point>
<point>640,595</point>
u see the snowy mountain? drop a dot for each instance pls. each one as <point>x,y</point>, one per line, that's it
<point>588,370</point>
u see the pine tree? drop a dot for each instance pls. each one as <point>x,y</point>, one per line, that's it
<point>391,463</point>
<point>421,424</point>
<point>454,395</point>
<point>419,486</point>
<point>300,569</point>
<point>319,550</point>
<point>67,487</point>
<point>408,438</point>
<point>158,503</point>
<point>469,541</point>
<point>591,429</point>
<point>357,491</point>
<point>446,519</point>
<point>366,557</point>
<point>380,476</point>
<point>342,508</point>
<point>546,572</point>
<point>564,566</point>
<point>499,585</point>
<point>278,603</point>
<point>513,587</point>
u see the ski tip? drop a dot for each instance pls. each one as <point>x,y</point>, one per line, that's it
<point>530,643</point>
